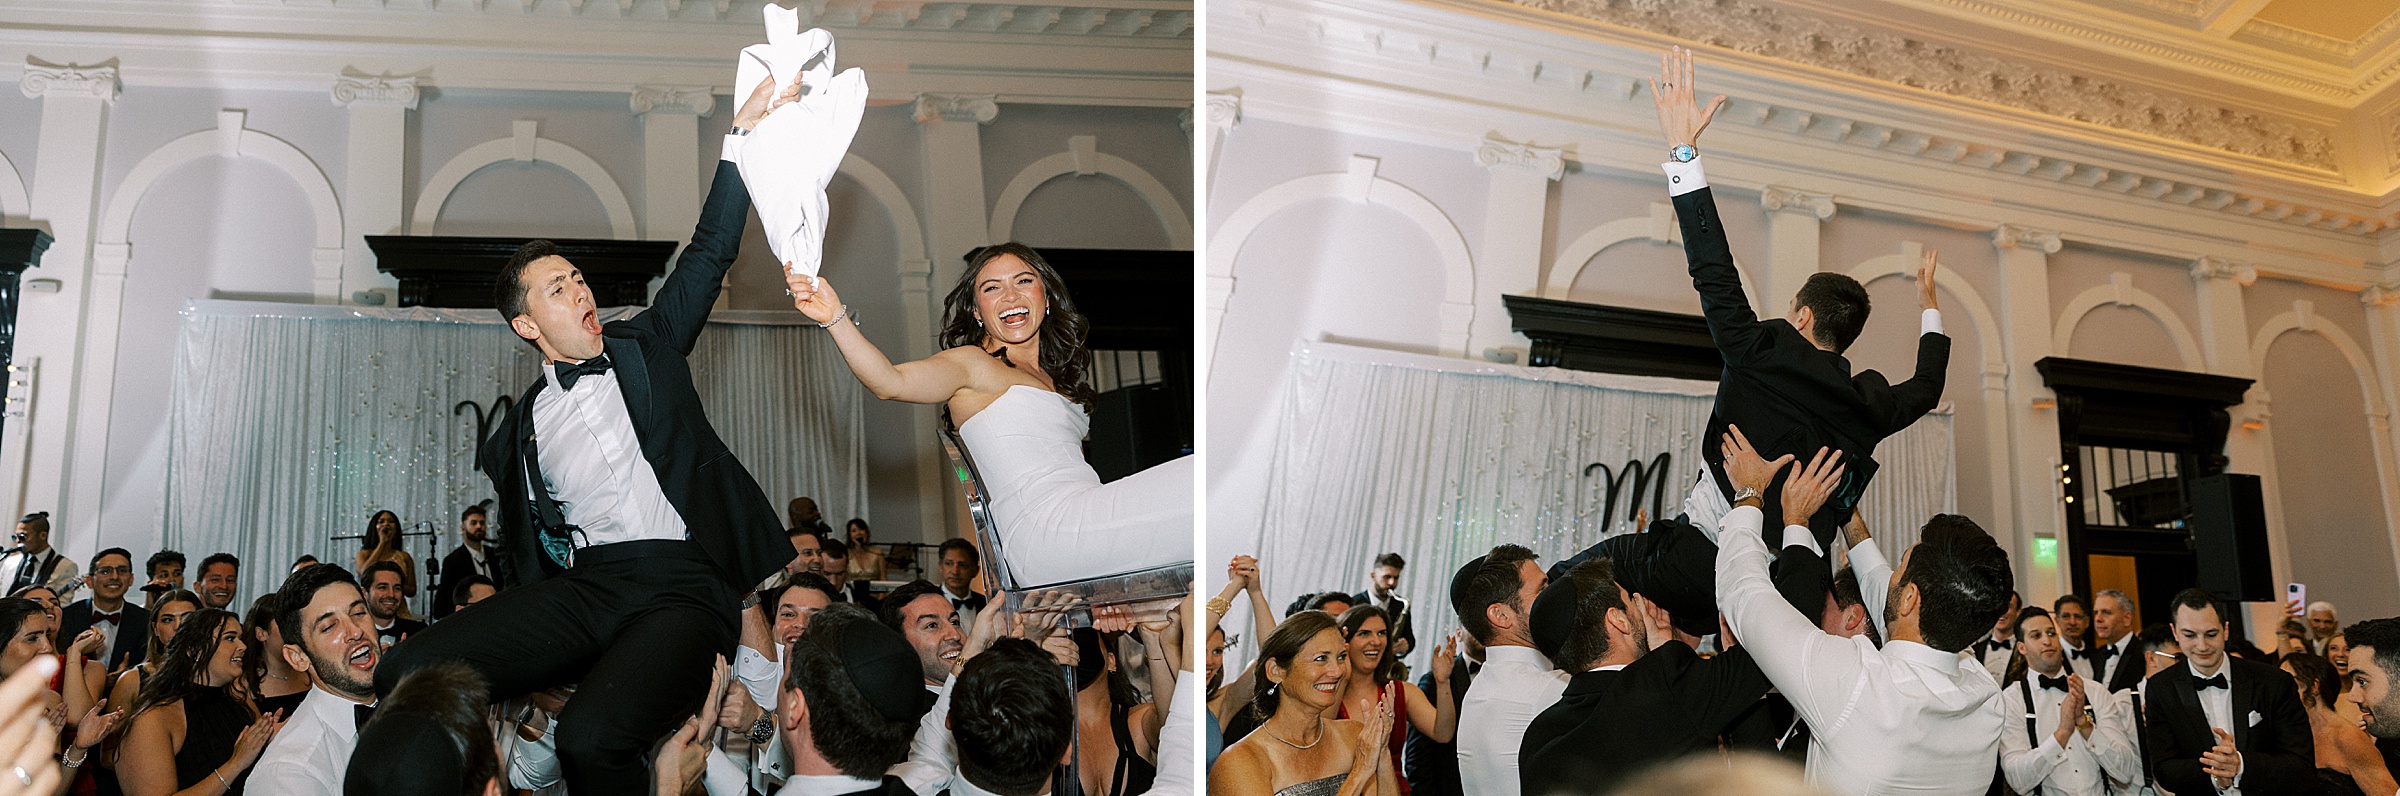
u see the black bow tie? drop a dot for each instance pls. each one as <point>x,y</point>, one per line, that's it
<point>365,712</point>
<point>2205,683</point>
<point>2053,683</point>
<point>2096,654</point>
<point>569,372</point>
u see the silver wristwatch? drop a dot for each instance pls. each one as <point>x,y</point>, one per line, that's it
<point>1744,493</point>
<point>762,731</point>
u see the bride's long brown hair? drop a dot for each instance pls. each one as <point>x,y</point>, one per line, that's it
<point>1062,330</point>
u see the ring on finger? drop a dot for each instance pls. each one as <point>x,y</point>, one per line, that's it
<point>22,775</point>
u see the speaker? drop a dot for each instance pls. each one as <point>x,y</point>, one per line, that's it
<point>2229,537</point>
<point>1133,428</point>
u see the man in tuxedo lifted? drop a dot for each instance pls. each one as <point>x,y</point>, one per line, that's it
<point>640,530</point>
<point>1785,381</point>
<point>2219,723</point>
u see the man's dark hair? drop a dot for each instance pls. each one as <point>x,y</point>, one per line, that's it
<point>832,548</point>
<point>897,601</point>
<point>1962,579</point>
<point>1596,580</point>
<point>811,580</point>
<point>305,558</point>
<point>2155,637</point>
<point>2030,612</point>
<point>458,593</point>
<point>1495,581</point>
<point>1846,594</point>
<point>367,576</point>
<point>1840,305</point>
<point>113,551</point>
<point>473,510</point>
<point>1323,599</point>
<point>964,546</point>
<point>847,730</point>
<point>160,559</point>
<point>429,736</point>
<point>2383,636</point>
<point>1013,718</point>
<point>2198,600</point>
<point>292,600</point>
<point>508,289</point>
<point>220,558</point>
<point>2077,599</point>
<point>1392,560</point>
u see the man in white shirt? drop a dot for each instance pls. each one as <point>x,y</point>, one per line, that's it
<point>328,634</point>
<point>1910,717</point>
<point>2070,737</point>
<point>33,562</point>
<point>1494,596</point>
<point>1013,720</point>
<point>1996,650</point>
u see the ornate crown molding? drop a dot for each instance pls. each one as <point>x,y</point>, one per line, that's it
<point>1786,199</point>
<point>2017,236</point>
<point>50,80</point>
<point>1224,111</point>
<point>1497,152</point>
<point>385,90</point>
<point>681,100</point>
<point>2207,268</point>
<point>1811,41</point>
<point>977,108</point>
<point>2382,295</point>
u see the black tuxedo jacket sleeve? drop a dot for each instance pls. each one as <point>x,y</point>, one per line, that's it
<point>721,504</point>
<point>2278,753</point>
<point>133,625</point>
<point>1787,395</point>
<point>1608,725</point>
<point>455,567</point>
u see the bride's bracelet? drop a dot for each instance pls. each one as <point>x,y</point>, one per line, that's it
<point>845,313</point>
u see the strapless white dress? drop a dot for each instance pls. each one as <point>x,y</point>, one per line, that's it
<point>1057,522</point>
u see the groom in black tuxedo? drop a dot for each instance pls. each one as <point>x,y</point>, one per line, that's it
<point>632,549</point>
<point>2218,721</point>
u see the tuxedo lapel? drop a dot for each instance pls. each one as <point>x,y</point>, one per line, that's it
<point>2243,702</point>
<point>633,378</point>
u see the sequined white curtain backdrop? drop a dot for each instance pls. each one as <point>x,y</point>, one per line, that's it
<point>1440,459</point>
<point>292,424</point>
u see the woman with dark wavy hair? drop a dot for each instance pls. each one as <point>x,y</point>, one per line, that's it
<point>382,543</point>
<point>1014,374</point>
<point>192,733</point>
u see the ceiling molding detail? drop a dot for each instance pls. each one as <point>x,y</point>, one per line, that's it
<point>1811,41</point>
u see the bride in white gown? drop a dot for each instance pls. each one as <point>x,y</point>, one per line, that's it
<point>1013,375</point>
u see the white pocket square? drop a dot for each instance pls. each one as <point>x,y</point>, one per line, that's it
<point>2255,718</point>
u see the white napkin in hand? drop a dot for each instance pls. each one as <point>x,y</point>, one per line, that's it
<point>792,155</point>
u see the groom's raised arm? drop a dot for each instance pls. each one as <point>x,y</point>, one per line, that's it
<point>681,308</point>
<point>1731,322</point>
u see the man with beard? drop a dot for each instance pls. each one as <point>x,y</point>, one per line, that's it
<point>219,575</point>
<point>925,618</point>
<point>2060,747</point>
<point>1911,716</point>
<point>327,633</point>
<point>1494,595</point>
<point>384,601</point>
<point>2219,723</point>
<point>2374,662</point>
<point>1628,706</point>
<point>470,559</point>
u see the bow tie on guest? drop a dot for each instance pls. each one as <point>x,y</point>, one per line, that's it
<point>98,617</point>
<point>2053,683</point>
<point>2098,654</point>
<point>972,601</point>
<point>568,372</point>
<point>2205,683</point>
<point>1989,645</point>
<point>365,712</point>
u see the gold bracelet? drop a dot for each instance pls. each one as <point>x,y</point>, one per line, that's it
<point>1220,606</point>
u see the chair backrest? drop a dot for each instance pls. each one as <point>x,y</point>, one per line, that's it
<point>996,577</point>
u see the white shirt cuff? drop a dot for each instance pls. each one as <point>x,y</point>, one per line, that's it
<point>1866,556</point>
<point>2050,747</point>
<point>1683,178</point>
<point>1746,518</point>
<point>732,153</point>
<point>1930,322</point>
<point>1800,535</point>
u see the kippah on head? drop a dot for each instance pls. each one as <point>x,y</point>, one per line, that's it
<point>404,754</point>
<point>1555,615</point>
<point>885,670</point>
<point>1459,581</point>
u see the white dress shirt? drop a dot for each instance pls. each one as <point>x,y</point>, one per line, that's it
<point>108,630</point>
<point>1178,743</point>
<point>1904,718</point>
<point>592,463</point>
<point>1516,685</point>
<point>2217,704</point>
<point>966,615</point>
<point>310,754</point>
<point>2084,766</point>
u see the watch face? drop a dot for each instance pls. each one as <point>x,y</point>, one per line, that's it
<point>1683,153</point>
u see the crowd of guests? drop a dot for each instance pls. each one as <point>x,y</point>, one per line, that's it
<point>1858,676</point>
<point>832,689</point>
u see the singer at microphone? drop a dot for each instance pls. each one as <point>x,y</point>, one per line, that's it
<point>33,561</point>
